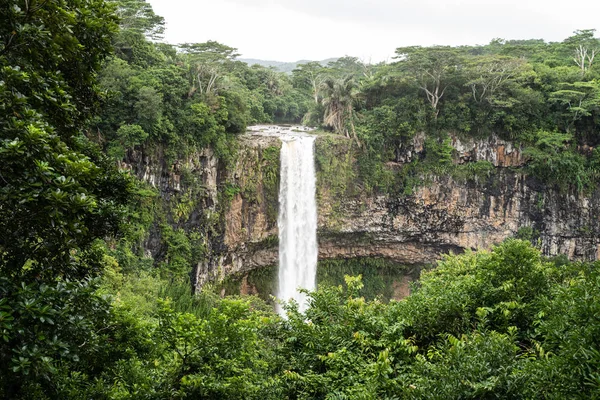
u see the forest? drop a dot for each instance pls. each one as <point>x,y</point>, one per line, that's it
<point>84,314</point>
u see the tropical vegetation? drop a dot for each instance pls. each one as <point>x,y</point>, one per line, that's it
<point>86,84</point>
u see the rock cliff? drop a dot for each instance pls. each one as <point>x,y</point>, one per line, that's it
<point>444,214</point>
<point>447,214</point>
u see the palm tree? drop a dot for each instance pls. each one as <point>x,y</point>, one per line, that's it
<point>339,96</point>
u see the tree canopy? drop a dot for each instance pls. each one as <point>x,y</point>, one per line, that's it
<point>57,191</point>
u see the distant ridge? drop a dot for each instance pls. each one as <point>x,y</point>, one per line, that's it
<point>282,66</point>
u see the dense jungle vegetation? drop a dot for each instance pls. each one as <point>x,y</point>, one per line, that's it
<point>544,96</point>
<point>83,315</point>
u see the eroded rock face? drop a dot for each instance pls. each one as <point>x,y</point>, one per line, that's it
<point>203,171</point>
<point>494,150</point>
<point>444,215</point>
<point>451,216</point>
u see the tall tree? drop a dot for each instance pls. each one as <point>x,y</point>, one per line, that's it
<point>207,64</point>
<point>432,68</point>
<point>58,195</point>
<point>489,74</point>
<point>310,76</point>
<point>578,100</point>
<point>584,47</point>
<point>339,96</point>
<point>138,16</point>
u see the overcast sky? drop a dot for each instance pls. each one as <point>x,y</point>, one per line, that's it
<point>291,30</point>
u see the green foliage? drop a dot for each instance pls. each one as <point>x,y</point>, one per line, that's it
<point>568,325</point>
<point>529,234</point>
<point>138,16</point>
<point>260,282</point>
<point>200,96</point>
<point>129,136</point>
<point>335,170</point>
<point>479,170</point>
<point>338,101</point>
<point>379,275</point>
<point>270,179</point>
<point>185,101</point>
<point>259,187</point>
<point>230,190</point>
<point>510,88</point>
<point>178,250</point>
<point>437,152</point>
<point>469,331</point>
<point>554,161</point>
<point>496,288</point>
<point>476,366</point>
<point>58,338</point>
<point>59,195</point>
<point>58,192</point>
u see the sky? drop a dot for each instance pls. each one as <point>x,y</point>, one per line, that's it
<point>292,30</point>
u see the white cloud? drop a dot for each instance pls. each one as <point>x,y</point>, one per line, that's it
<point>289,30</point>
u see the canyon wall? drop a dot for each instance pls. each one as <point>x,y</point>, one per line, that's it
<point>445,213</point>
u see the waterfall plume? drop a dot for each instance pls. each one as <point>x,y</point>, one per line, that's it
<point>297,220</point>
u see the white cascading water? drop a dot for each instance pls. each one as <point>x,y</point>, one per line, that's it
<point>297,220</point>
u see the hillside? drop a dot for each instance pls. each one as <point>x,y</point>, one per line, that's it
<point>282,66</point>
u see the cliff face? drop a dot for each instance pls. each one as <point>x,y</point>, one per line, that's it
<point>448,214</point>
<point>445,214</point>
<point>230,210</point>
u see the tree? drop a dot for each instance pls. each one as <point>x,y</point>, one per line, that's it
<point>580,99</point>
<point>344,66</point>
<point>58,196</point>
<point>432,69</point>
<point>138,16</point>
<point>207,64</point>
<point>585,47</point>
<point>489,74</point>
<point>552,159</point>
<point>57,192</point>
<point>310,76</point>
<point>339,96</point>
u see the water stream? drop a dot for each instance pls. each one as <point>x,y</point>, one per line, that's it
<point>297,219</point>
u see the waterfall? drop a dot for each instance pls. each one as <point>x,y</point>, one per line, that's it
<point>297,220</point>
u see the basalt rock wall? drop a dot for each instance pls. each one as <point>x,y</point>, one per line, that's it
<point>445,214</point>
<point>230,210</point>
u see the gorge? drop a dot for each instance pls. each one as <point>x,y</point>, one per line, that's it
<point>446,213</point>
<point>449,200</point>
